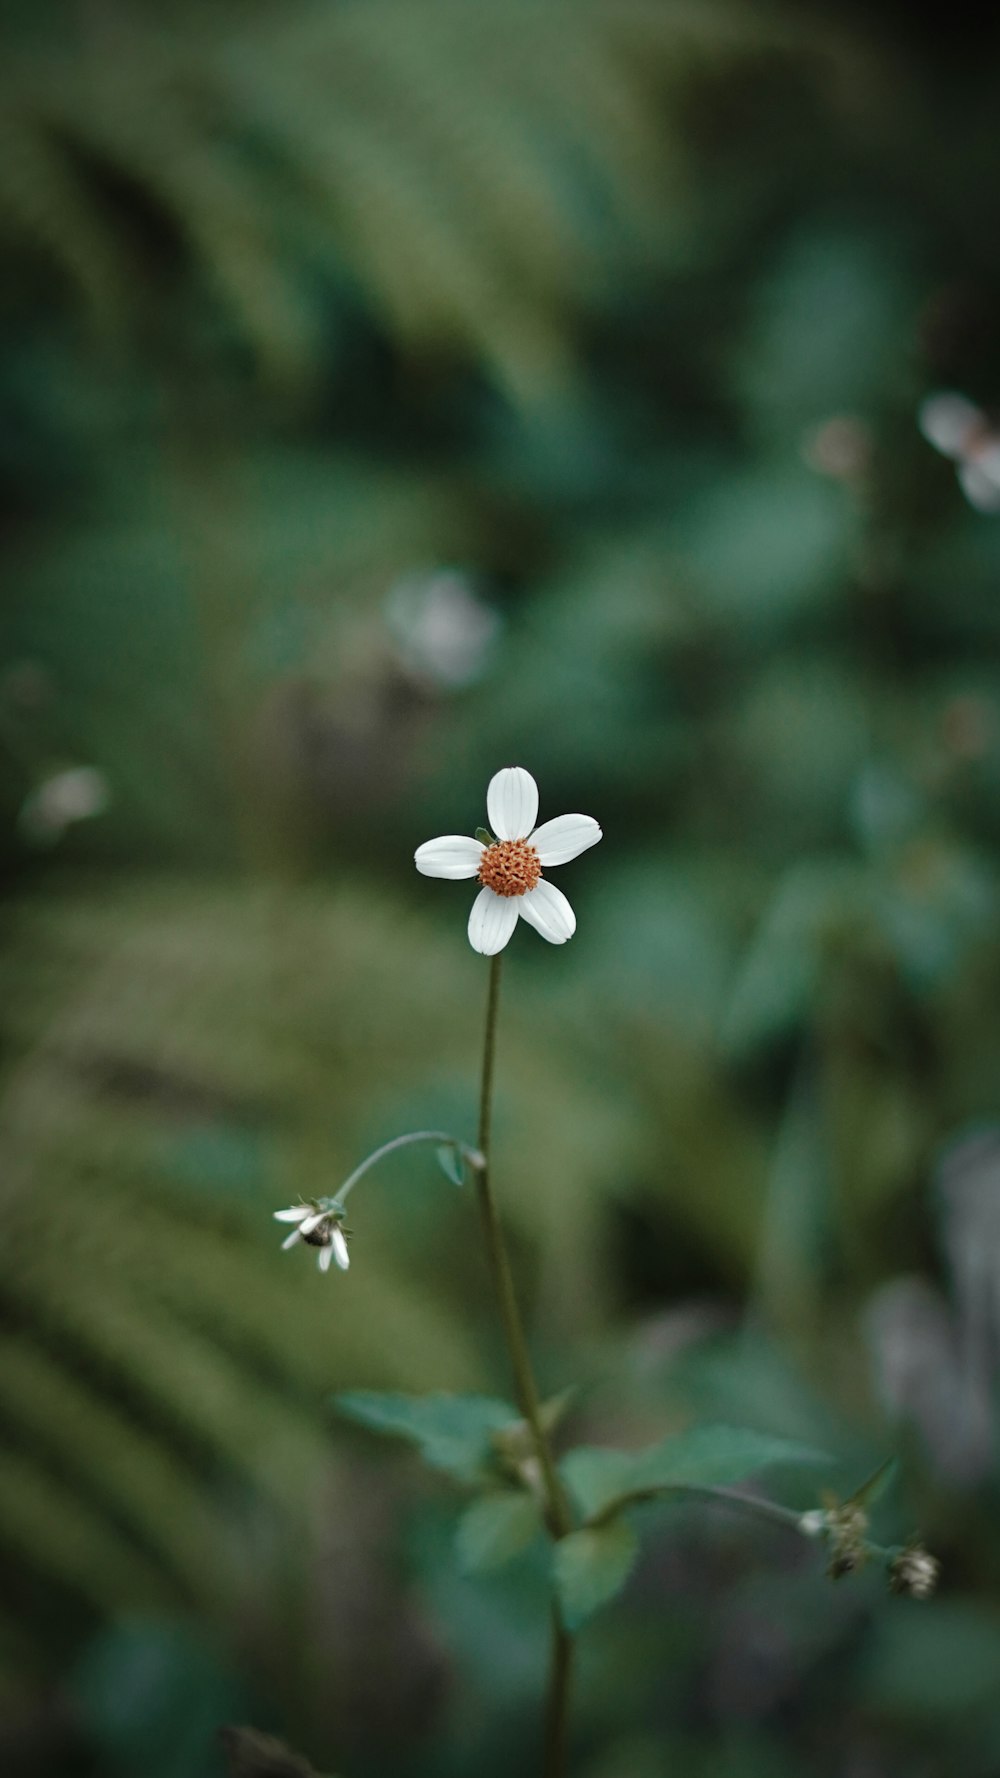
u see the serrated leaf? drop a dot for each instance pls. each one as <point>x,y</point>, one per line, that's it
<point>495,1528</point>
<point>590,1568</point>
<point>705,1457</point>
<point>453,1432</point>
<point>451,1163</point>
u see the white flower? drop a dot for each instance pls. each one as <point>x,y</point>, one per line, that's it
<point>322,1228</point>
<point>442,630</point>
<point>510,866</point>
<point>74,795</point>
<point>961,431</point>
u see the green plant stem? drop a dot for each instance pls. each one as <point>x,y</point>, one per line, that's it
<point>748,1503</point>
<point>557,1509</point>
<point>557,1701</point>
<point>752,1504</point>
<point>441,1137</point>
<point>557,1512</point>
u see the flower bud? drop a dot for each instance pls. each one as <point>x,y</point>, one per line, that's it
<point>914,1572</point>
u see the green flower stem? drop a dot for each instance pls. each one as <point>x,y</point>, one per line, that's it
<point>557,1512</point>
<point>472,1155</point>
<point>752,1504</point>
<point>557,1508</point>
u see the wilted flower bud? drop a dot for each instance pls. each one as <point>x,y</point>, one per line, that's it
<point>846,1561</point>
<point>914,1572</point>
<point>844,1526</point>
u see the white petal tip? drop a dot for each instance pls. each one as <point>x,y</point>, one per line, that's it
<point>491,922</point>
<point>453,856</point>
<point>559,841</point>
<point>546,909</point>
<point>512,803</point>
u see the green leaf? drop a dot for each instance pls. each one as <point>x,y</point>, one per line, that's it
<point>453,1432</point>
<point>591,1567</point>
<point>484,836</point>
<point>556,1407</point>
<point>451,1162</point>
<point>495,1528</point>
<point>597,1477</point>
<point>705,1457</point>
<point>877,1484</point>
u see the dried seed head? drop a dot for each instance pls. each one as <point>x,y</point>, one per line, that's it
<point>509,867</point>
<point>843,1562</point>
<point>914,1572</point>
<point>845,1528</point>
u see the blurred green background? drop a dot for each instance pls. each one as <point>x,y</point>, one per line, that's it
<point>391,390</point>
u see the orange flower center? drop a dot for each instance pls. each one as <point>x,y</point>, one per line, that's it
<point>509,867</point>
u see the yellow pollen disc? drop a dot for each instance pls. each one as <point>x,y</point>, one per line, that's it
<point>509,867</point>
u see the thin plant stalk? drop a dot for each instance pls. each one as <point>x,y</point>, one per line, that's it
<point>557,1511</point>
<point>557,1700</point>
<point>443,1138</point>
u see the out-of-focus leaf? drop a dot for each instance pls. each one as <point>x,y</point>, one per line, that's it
<point>249,1754</point>
<point>762,547</point>
<point>827,329</point>
<point>876,1485</point>
<point>929,1664</point>
<point>795,1234</point>
<point>152,1694</point>
<point>591,1567</point>
<point>452,1432</point>
<point>473,202</point>
<point>452,1163</point>
<point>495,1528</point>
<point>707,1456</point>
<point>777,981</point>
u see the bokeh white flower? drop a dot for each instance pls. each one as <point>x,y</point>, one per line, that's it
<point>510,866</point>
<point>77,794</point>
<point>961,431</point>
<point>318,1227</point>
<point>442,630</point>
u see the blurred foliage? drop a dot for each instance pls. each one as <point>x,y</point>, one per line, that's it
<point>391,389</point>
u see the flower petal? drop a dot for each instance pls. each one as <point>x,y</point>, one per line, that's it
<point>948,421</point>
<point>325,1256</point>
<point>296,1235</point>
<point>512,803</point>
<point>546,909</point>
<point>452,856</point>
<point>339,1248</point>
<point>556,842</point>
<point>491,922</point>
<point>980,488</point>
<point>295,1214</point>
<point>310,1222</point>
